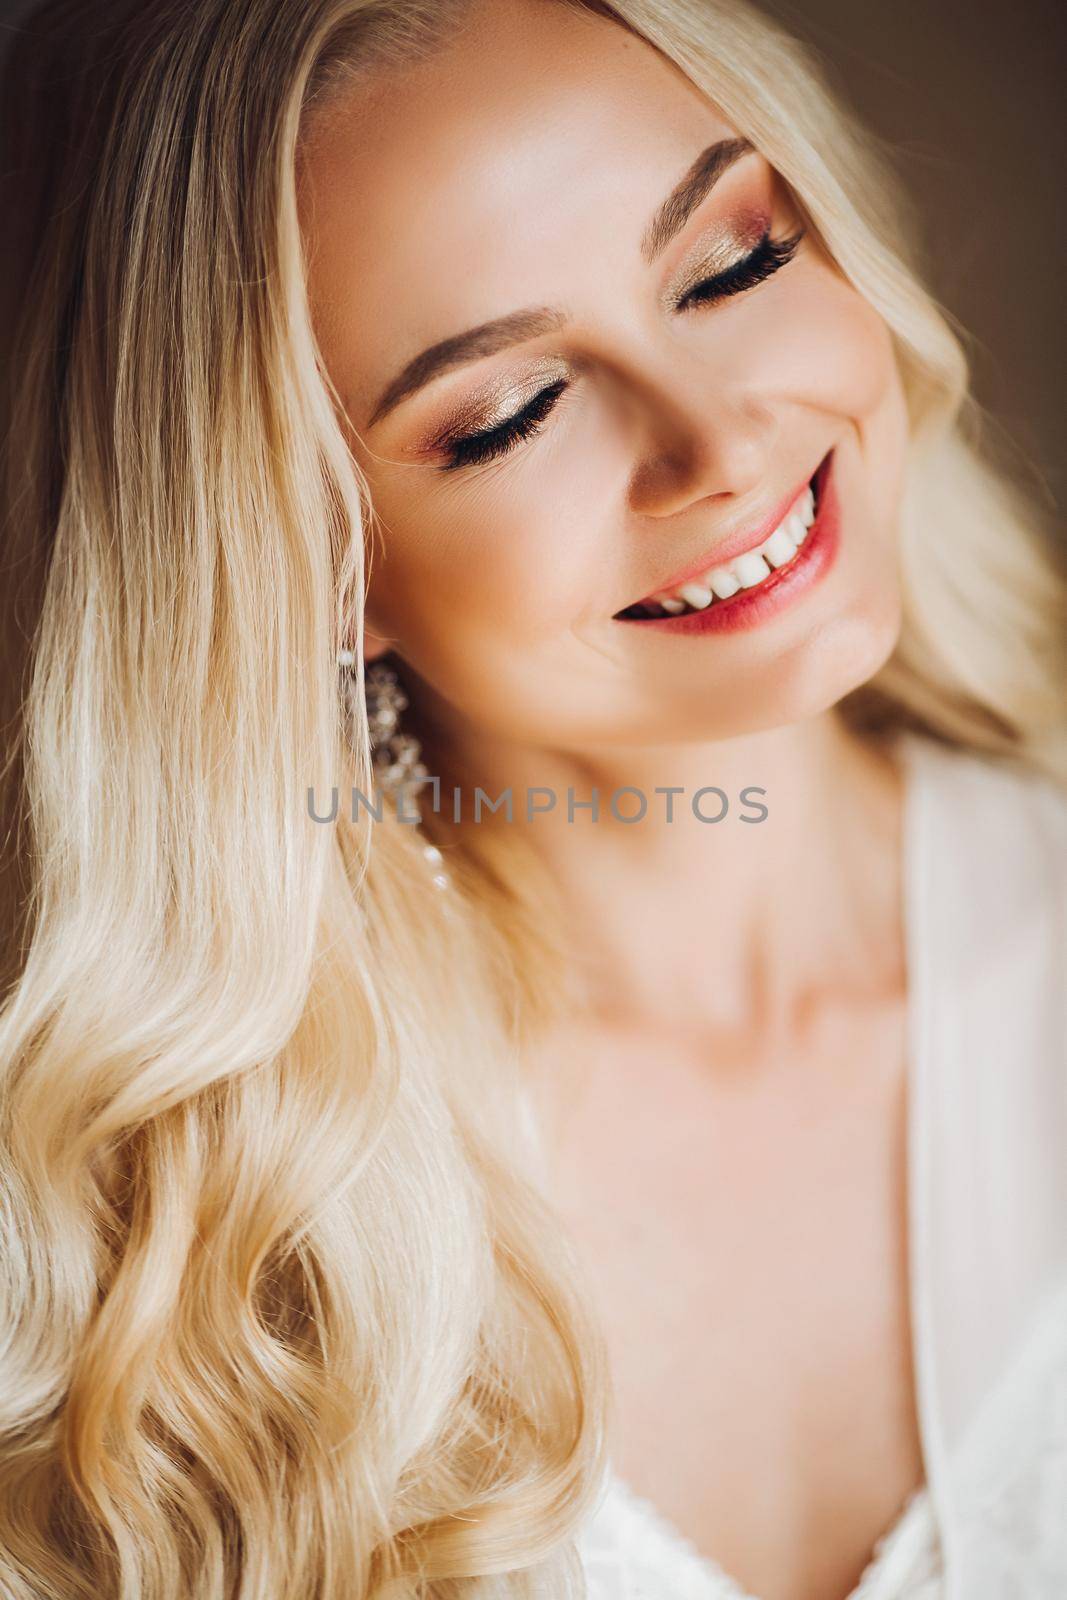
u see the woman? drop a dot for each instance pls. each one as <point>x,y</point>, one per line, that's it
<point>558,366</point>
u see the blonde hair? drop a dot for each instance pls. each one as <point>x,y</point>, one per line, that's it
<point>284,1314</point>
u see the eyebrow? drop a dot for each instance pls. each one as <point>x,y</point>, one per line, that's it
<point>485,340</point>
<point>518,326</point>
<point>683,200</point>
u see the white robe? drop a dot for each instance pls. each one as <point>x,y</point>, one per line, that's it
<point>986,893</point>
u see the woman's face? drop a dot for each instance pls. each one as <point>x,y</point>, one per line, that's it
<point>581,366</point>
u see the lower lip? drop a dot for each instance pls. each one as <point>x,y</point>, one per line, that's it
<point>751,607</point>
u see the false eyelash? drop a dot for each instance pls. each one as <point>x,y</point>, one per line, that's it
<point>768,256</point>
<point>496,441</point>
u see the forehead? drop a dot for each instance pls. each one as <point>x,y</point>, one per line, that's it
<point>499,173</point>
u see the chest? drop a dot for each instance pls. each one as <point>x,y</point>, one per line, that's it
<point>742,1217</point>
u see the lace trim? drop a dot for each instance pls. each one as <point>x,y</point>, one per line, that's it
<point>631,1552</point>
<point>1009,1480</point>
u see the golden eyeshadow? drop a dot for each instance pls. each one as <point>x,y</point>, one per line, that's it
<point>721,248</point>
<point>494,404</point>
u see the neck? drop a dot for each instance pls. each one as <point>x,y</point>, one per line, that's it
<point>732,923</point>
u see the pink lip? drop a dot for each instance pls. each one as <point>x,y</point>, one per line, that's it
<point>727,549</point>
<point>749,607</point>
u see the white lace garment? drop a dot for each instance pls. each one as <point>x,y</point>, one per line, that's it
<point>631,1552</point>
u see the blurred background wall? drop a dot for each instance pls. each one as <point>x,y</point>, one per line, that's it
<point>968,96</point>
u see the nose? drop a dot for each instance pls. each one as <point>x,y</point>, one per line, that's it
<point>699,441</point>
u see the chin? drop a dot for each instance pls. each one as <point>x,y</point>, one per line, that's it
<point>839,656</point>
<point>844,655</point>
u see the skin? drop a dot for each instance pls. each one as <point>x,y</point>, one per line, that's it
<point>726,1113</point>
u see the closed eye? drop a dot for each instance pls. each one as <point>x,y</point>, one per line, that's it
<point>497,441</point>
<point>768,257</point>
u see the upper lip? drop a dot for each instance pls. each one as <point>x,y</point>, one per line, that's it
<point>736,545</point>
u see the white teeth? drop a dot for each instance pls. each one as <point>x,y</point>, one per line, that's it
<point>696,594</point>
<point>723,582</point>
<point>807,506</point>
<point>779,548</point>
<point>797,528</point>
<point>750,569</point>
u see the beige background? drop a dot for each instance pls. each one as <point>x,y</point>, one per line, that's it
<point>967,94</point>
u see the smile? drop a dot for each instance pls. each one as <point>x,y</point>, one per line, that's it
<point>740,591</point>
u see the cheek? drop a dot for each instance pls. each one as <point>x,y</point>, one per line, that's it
<point>520,545</point>
<point>819,343</point>
<point>462,561</point>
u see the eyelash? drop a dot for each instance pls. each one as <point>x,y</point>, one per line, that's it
<point>768,256</point>
<point>476,447</point>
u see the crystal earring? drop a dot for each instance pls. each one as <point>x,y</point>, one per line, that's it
<point>395,755</point>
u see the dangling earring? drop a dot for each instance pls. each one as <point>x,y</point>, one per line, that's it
<point>396,755</point>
